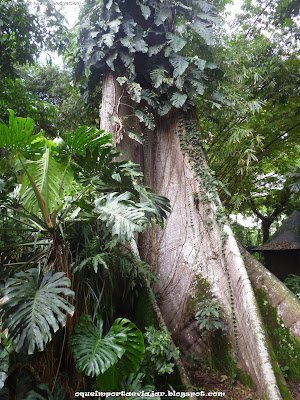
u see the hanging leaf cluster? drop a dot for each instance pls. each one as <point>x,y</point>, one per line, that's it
<point>150,44</point>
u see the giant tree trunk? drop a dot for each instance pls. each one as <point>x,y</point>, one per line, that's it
<point>193,242</point>
<point>279,296</point>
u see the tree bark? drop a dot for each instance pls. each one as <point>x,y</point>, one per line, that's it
<point>279,296</point>
<point>192,243</point>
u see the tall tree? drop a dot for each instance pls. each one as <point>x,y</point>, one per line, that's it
<point>153,57</point>
<point>252,132</point>
<point>24,33</point>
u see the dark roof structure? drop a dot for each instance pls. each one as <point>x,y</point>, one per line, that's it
<point>287,236</point>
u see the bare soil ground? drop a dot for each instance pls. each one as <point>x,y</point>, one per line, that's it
<point>233,390</point>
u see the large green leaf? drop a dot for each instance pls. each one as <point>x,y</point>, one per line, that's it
<point>177,43</point>
<point>203,28</point>
<point>121,216</point>
<point>83,139</point>
<point>179,63</point>
<point>112,380</point>
<point>145,117</point>
<point>34,307</point>
<point>95,353</point>
<point>157,205</point>
<point>157,76</point>
<point>51,178</point>
<point>178,99</point>
<point>19,135</point>
<point>146,11</point>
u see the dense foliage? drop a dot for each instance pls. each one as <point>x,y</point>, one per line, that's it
<point>251,135</point>
<point>158,50</point>
<point>55,187</point>
<point>73,293</point>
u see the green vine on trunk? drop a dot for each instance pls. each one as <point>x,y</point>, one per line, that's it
<point>191,144</point>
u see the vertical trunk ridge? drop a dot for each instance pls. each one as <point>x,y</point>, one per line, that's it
<point>195,242</point>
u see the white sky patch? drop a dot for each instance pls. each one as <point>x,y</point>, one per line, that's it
<point>71,10</point>
<point>233,9</point>
<point>247,222</point>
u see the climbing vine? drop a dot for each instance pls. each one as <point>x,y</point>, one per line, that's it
<point>191,143</point>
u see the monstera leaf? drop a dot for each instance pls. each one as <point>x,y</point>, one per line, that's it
<point>95,354</point>
<point>18,135</point>
<point>121,216</point>
<point>34,307</point>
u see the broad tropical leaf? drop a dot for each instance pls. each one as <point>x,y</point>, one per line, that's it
<point>51,179</point>
<point>133,383</point>
<point>34,307</point>
<point>155,49</point>
<point>157,76</point>
<point>177,43</point>
<point>179,63</point>
<point>130,361</point>
<point>84,139</point>
<point>95,353</point>
<point>178,99</point>
<point>157,205</point>
<point>146,11</point>
<point>135,91</point>
<point>202,28</point>
<point>19,136</point>
<point>121,216</point>
<point>145,117</point>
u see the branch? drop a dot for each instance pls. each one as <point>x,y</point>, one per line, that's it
<point>275,140</point>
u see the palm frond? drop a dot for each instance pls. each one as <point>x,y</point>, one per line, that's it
<point>34,307</point>
<point>95,261</point>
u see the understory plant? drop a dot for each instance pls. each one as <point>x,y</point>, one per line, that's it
<point>209,317</point>
<point>160,355</point>
<point>293,283</point>
<point>68,213</point>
